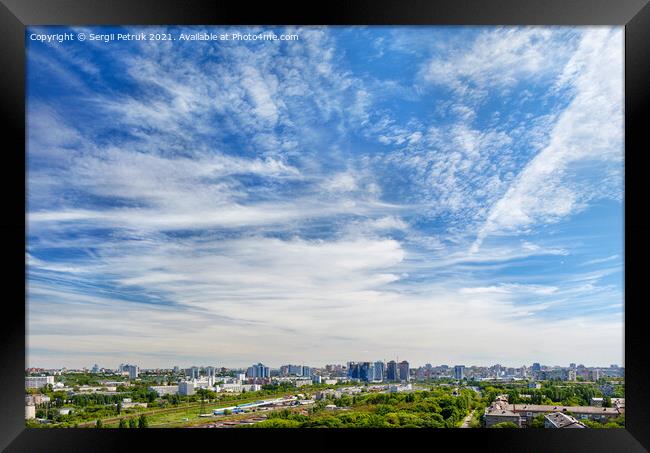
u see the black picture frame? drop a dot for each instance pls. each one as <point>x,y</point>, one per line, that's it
<point>15,15</point>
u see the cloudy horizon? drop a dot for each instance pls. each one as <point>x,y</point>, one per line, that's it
<point>439,194</point>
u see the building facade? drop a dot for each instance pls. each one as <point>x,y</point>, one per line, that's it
<point>392,372</point>
<point>404,371</point>
<point>36,382</point>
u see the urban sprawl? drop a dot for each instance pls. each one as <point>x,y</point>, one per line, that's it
<point>356,394</point>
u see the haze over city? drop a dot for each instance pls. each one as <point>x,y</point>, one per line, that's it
<point>445,195</point>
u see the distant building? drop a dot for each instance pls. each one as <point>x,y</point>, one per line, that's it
<point>30,412</point>
<point>366,371</point>
<point>292,370</point>
<point>379,371</point>
<point>185,388</point>
<point>230,388</point>
<point>459,372</point>
<point>616,402</point>
<point>164,389</point>
<point>392,373</point>
<point>353,370</point>
<point>193,372</point>
<point>36,382</point>
<point>395,388</point>
<point>404,371</point>
<point>258,371</point>
<point>560,420</point>
<point>133,371</point>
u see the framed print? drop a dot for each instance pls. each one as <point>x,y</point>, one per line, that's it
<point>414,219</point>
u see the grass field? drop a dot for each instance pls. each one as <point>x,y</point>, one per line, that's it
<point>174,417</point>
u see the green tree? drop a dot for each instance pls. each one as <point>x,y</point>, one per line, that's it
<point>133,423</point>
<point>123,423</point>
<point>538,421</point>
<point>607,402</point>
<point>99,424</point>
<point>505,425</point>
<point>143,422</point>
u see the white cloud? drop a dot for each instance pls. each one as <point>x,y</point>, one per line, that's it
<point>589,129</point>
<point>498,58</point>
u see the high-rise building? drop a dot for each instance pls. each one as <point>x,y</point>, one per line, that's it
<point>392,373</point>
<point>353,370</point>
<point>211,372</point>
<point>536,368</point>
<point>258,371</point>
<point>379,371</point>
<point>404,372</point>
<point>459,372</point>
<point>133,371</point>
<point>193,372</point>
<point>366,371</point>
<point>295,370</point>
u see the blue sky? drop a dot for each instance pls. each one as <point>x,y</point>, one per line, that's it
<point>441,194</point>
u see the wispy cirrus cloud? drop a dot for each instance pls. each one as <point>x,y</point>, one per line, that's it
<point>283,202</point>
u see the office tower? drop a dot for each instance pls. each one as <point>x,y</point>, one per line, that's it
<point>379,371</point>
<point>259,371</point>
<point>366,371</point>
<point>404,372</point>
<point>392,373</point>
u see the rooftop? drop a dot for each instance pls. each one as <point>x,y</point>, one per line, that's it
<point>560,420</point>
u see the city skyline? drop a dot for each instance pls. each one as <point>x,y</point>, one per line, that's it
<point>360,192</point>
<point>279,365</point>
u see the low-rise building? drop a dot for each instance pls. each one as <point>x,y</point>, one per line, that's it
<point>399,388</point>
<point>36,382</point>
<point>230,388</point>
<point>560,420</point>
<point>616,402</point>
<point>30,412</point>
<point>522,414</point>
<point>164,389</point>
<point>185,388</point>
<point>130,404</point>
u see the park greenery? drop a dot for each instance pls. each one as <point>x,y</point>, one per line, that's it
<point>436,408</point>
<point>442,405</point>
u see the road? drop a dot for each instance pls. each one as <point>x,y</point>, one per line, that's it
<point>467,420</point>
